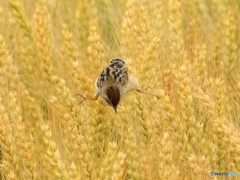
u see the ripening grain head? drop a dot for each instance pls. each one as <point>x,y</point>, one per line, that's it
<point>185,52</point>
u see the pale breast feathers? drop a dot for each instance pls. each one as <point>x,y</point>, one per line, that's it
<point>115,72</point>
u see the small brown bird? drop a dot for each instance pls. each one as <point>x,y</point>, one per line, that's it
<point>113,83</point>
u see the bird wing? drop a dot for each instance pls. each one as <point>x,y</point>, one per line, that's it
<point>115,73</point>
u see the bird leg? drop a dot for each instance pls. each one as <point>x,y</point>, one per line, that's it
<point>87,98</point>
<point>145,92</point>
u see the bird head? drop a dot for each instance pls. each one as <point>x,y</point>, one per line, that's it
<point>112,96</point>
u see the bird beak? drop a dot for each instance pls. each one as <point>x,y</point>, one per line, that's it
<point>115,108</point>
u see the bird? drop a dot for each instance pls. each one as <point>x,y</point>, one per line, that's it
<point>114,82</point>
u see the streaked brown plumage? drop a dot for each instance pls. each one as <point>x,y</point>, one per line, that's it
<point>114,82</point>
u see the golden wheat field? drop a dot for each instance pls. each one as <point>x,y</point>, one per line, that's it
<point>186,52</point>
